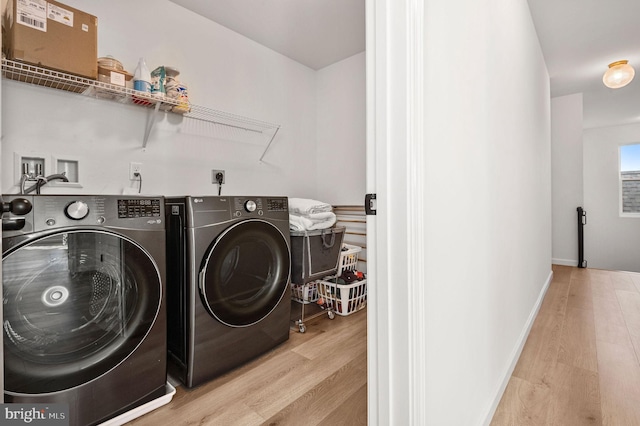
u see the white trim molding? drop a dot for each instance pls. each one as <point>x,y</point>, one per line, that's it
<point>395,236</point>
<point>517,351</point>
<point>565,262</point>
<point>416,236</point>
<point>377,319</point>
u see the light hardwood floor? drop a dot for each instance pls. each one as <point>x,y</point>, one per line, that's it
<point>580,364</point>
<point>315,378</point>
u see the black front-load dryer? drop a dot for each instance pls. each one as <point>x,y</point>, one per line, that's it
<point>227,282</point>
<point>84,313</point>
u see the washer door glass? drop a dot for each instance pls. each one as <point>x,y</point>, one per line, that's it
<point>76,305</point>
<point>245,273</point>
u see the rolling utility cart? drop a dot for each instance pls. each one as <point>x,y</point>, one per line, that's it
<point>314,255</point>
<point>307,295</point>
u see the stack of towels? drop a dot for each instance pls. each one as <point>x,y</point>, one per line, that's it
<point>309,215</point>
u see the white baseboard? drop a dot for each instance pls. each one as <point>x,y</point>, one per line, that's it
<point>565,262</point>
<point>515,355</point>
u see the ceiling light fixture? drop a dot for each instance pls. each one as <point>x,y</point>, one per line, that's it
<point>619,74</point>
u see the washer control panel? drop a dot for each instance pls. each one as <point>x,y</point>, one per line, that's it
<point>57,211</point>
<point>138,207</point>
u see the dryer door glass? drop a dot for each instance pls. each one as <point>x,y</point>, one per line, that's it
<point>245,273</point>
<point>76,305</point>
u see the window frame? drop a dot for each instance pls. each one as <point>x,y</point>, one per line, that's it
<point>621,181</point>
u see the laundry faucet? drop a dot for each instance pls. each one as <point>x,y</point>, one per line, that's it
<point>41,181</point>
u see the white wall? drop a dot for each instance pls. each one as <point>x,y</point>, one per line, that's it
<point>566,172</point>
<point>611,242</point>
<point>341,130</point>
<point>224,71</point>
<point>487,222</point>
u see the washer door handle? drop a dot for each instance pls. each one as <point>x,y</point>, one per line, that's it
<point>201,279</point>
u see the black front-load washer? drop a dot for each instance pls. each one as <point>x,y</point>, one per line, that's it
<point>84,313</point>
<point>227,282</point>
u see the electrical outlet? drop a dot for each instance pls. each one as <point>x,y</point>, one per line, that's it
<point>133,169</point>
<point>214,176</point>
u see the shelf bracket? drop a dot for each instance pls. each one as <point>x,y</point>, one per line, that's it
<point>269,144</point>
<point>151,120</point>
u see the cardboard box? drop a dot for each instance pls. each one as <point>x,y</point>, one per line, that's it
<point>115,77</point>
<point>51,35</point>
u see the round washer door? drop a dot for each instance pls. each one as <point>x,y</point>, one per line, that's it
<point>76,305</point>
<point>245,273</point>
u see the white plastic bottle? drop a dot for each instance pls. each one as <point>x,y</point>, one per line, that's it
<point>142,77</point>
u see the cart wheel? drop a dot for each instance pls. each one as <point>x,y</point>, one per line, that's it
<point>302,328</point>
<point>331,314</point>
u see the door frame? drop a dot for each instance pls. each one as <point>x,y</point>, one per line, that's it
<point>396,326</point>
<point>1,296</point>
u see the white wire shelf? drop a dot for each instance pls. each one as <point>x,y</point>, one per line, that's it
<point>240,127</point>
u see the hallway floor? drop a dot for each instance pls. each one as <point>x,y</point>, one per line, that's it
<point>580,364</point>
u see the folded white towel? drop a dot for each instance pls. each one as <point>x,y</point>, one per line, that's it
<point>319,217</point>
<point>308,206</point>
<point>311,222</point>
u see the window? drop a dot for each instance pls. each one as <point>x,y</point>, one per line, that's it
<point>630,179</point>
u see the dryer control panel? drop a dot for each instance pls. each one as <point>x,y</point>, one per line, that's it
<point>247,206</point>
<point>277,204</point>
<point>250,206</point>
